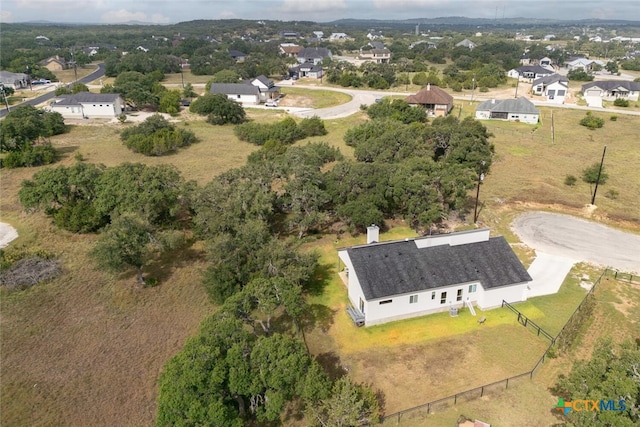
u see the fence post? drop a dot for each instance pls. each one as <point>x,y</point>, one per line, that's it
<point>482,391</point>
<point>428,408</point>
<point>507,383</point>
<point>455,399</point>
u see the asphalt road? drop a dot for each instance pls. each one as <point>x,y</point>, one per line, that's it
<point>50,95</point>
<point>580,240</point>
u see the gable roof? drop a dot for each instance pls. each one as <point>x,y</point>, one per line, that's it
<point>290,49</point>
<point>86,98</point>
<point>314,52</point>
<point>308,67</point>
<point>534,69</point>
<point>553,78</point>
<point>237,54</point>
<point>430,95</point>
<point>235,89</point>
<point>264,80</point>
<point>609,85</point>
<point>521,105</point>
<point>400,267</point>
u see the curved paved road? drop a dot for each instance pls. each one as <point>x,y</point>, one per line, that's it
<point>49,95</point>
<point>579,239</point>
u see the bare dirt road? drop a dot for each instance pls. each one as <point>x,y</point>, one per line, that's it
<point>580,240</point>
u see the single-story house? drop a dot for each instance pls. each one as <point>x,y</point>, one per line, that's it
<point>14,80</point>
<point>520,110</point>
<point>379,56</point>
<point>610,90</point>
<point>338,36</point>
<point>529,72</point>
<point>307,70</point>
<point>237,56</point>
<point>249,92</point>
<point>288,34</point>
<point>554,88</point>
<point>437,102</point>
<point>314,55</point>
<point>414,277</point>
<point>584,64</point>
<point>466,43</point>
<point>374,35</point>
<point>87,105</point>
<point>54,63</point>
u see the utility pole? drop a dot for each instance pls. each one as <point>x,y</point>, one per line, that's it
<point>473,88</point>
<point>517,84</point>
<point>480,179</point>
<point>4,96</point>
<point>553,129</point>
<point>595,190</point>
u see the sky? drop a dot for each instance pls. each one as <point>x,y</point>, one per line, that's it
<point>172,11</point>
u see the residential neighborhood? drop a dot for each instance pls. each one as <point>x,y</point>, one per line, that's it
<point>319,214</point>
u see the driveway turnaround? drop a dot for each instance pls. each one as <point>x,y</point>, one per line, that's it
<point>578,239</point>
<point>548,272</point>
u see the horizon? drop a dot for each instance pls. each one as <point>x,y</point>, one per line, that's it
<point>165,12</point>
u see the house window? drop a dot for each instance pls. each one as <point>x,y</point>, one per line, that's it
<point>387,301</point>
<point>433,295</point>
<point>238,96</point>
<point>443,297</point>
<point>472,288</point>
<point>561,92</point>
<point>413,299</point>
<point>361,306</point>
<point>459,295</point>
<point>551,92</point>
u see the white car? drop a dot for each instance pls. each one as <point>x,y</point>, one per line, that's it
<point>271,103</point>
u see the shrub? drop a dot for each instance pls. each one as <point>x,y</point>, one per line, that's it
<point>620,102</point>
<point>613,118</point>
<point>313,126</point>
<point>156,137</point>
<point>591,121</point>
<point>590,174</point>
<point>611,194</point>
<point>219,109</point>
<point>570,180</point>
<point>286,131</point>
<point>30,156</point>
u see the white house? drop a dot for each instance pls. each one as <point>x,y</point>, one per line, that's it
<point>414,277</point>
<point>379,56</point>
<point>466,43</point>
<point>554,88</point>
<point>610,90</point>
<point>529,72</point>
<point>250,92</point>
<point>338,36</point>
<point>584,64</point>
<point>14,80</point>
<point>307,70</point>
<point>520,110</point>
<point>89,105</point>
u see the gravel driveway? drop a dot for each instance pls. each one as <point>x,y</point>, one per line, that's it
<point>580,240</point>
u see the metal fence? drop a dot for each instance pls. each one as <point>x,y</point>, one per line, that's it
<point>494,387</point>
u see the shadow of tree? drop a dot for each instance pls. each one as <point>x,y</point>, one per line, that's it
<point>332,365</point>
<point>320,279</point>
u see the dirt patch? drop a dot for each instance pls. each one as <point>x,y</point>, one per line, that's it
<point>29,272</point>
<point>291,100</point>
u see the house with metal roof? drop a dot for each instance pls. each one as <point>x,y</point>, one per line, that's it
<point>87,105</point>
<point>401,279</point>
<point>437,102</point>
<point>554,88</point>
<point>514,110</point>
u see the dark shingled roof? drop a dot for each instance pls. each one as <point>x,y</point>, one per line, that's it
<point>533,69</point>
<point>235,89</point>
<point>314,52</point>
<point>609,85</point>
<point>430,95</point>
<point>520,105</point>
<point>86,97</point>
<point>396,268</point>
<point>547,80</point>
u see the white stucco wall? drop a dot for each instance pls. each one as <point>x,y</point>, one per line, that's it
<point>101,110</point>
<point>245,99</point>
<point>68,111</point>
<point>454,239</point>
<point>492,298</point>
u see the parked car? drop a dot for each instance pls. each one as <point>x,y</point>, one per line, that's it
<point>271,103</point>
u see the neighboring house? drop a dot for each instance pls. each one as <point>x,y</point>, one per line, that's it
<point>546,62</point>
<point>91,50</point>
<point>466,43</point>
<point>290,49</point>
<point>414,277</point>
<point>610,90</point>
<point>338,36</point>
<point>143,49</point>
<point>14,80</point>
<point>268,90</point>
<point>313,55</point>
<point>249,92</point>
<point>87,105</point>
<point>554,88</point>
<point>375,35</point>
<point>54,63</point>
<point>287,34</point>
<point>584,64</point>
<point>237,56</point>
<point>520,109</point>
<point>318,34</point>
<point>525,59</point>
<point>437,102</point>
<point>529,72</point>
<point>244,93</point>
<point>379,56</point>
<point>307,70</point>
<point>376,45</point>
<point>430,45</point>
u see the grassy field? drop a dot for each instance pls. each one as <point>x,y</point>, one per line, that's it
<point>312,98</point>
<point>89,346</point>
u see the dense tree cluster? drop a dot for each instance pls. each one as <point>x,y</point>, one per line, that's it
<point>138,90</point>
<point>612,373</point>
<point>156,136</point>
<point>25,133</point>
<point>219,109</point>
<point>286,131</point>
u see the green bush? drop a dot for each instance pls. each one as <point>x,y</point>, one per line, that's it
<point>591,121</point>
<point>570,180</point>
<point>313,126</point>
<point>286,131</point>
<point>156,137</point>
<point>619,102</point>
<point>613,118</point>
<point>219,109</point>
<point>30,156</point>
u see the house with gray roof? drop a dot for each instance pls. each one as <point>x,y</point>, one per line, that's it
<point>414,277</point>
<point>610,90</point>
<point>530,72</point>
<point>514,110</point>
<point>87,105</point>
<point>313,55</point>
<point>244,93</point>
<point>466,43</point>
<point>554,88</point>
<point>14,80</point>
